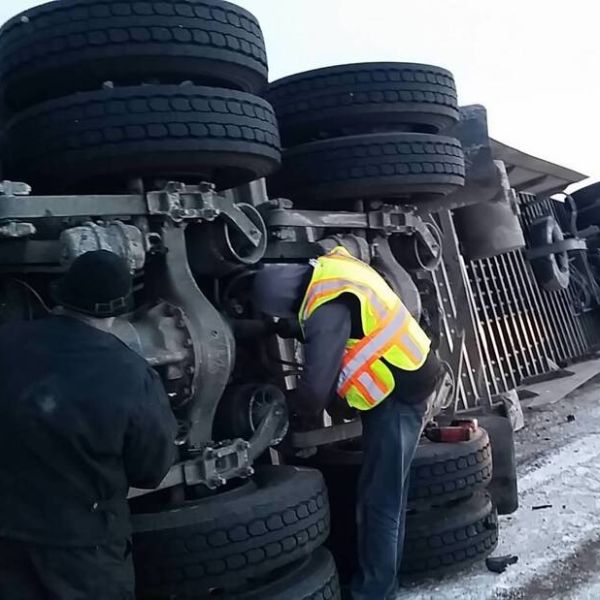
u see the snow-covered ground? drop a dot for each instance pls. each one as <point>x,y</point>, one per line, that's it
<point>558,547</point>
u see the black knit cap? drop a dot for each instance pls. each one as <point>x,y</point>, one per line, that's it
<point>98,283</point>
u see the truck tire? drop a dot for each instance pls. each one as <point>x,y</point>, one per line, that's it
<point>449,538</point>
<point>439,476</point>
<point>222,541</point>
<point>161,132</point>
<point>440,472</point>
<point>67,46</point>
<point>587,196</point>
<point>552,271</point>
<point>443,472</point>
<point>359,98</point>
<point>313,578</point>
<point>504,485</point>
<point>381,165</point>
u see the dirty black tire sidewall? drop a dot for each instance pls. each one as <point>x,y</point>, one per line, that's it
<point>68,46</point>
<point>313,578</point>
<point>446,539</point>
<point>329,102</point>
<point>403,166</point>
<point>97,139</point>
<point>443,472</point>
<point>439,473</point>
<point>221,541</point>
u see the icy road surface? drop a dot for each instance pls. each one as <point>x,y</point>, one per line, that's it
<point>558,547</point>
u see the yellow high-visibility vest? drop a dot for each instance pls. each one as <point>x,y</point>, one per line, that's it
<point>390,331</point>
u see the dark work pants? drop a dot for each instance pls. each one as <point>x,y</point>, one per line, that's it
<point>33,572</point>
<point>391,433</point>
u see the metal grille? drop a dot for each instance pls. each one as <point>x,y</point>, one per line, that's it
<point>460,338</point>
<point>512,328</point>
<point>564,303</point>
<point>524,329</point>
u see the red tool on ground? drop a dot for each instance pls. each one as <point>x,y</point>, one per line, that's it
<point>459,430</point>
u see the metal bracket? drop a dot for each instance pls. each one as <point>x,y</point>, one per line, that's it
<point>16,230</point>
<point>289,217</point>
<point>268,433</point>
<point>391,219</point>
<point>215,464</point>
<point>326,435</point>
<point>570,245</point>
<point>219,463</point>
<point>200,203</point>
<point>14,188</point>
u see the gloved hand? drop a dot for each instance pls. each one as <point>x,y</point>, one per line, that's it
<point>289,329</point>
<point>340,410</point>
<point>298,420</point>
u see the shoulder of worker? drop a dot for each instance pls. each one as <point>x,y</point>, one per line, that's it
<point>58,333</point>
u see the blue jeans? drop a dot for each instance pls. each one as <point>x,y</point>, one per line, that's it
<point>391,433</point>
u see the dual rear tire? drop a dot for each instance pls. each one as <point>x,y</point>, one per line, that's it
<point>102,93</point>
<point>367,132</point>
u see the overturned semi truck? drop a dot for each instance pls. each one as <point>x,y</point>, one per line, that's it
<point>148,128</point>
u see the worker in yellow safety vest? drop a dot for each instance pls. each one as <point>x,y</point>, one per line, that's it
<point>362,345</point>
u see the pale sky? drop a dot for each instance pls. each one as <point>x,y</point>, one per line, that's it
<point>534,64</point>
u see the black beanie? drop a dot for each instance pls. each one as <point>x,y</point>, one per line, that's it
<point>98,283</point>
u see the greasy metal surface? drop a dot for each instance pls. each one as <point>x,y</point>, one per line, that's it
<point>158,334</point>
<point>279,217</point>
<point>217,463</point>
<point>126,241</point>
<point>219,248</point>
<point>254,193</point>
<point>16,230</point>
<point>213,466</point>
<point>211,336</point>
<point>40,207</point>
<point>182,202</point>
<point>387,218</point>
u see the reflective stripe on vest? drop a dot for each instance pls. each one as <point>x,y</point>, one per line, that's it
<point>331,286</point>
<point>391,333</point>
<point>372,346</point>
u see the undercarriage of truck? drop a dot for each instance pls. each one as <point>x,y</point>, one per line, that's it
<point>163,143</point>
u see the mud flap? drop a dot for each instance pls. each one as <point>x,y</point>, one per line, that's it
<point>503,488</point>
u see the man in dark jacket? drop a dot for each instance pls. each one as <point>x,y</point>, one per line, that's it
<point>343,291</point>
<point>83,418</point>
